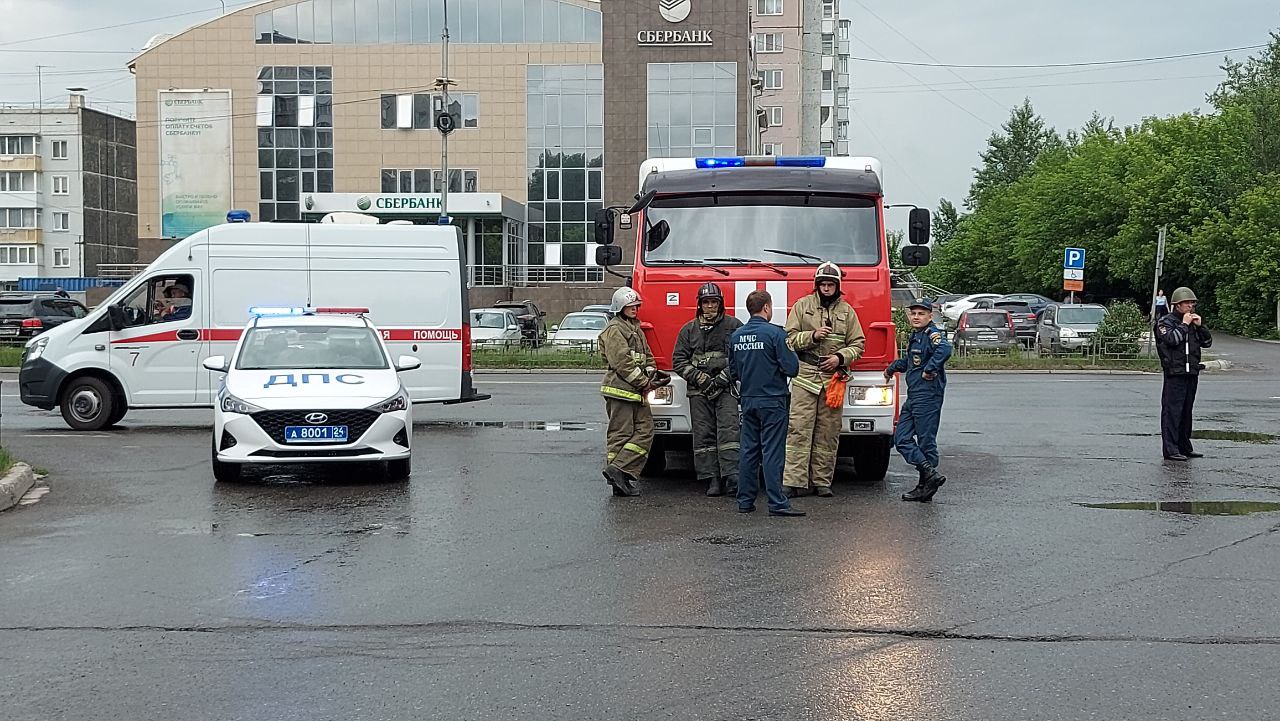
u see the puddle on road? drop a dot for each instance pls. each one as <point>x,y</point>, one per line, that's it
<point>726,539</point>
<point>552,426</point>
<point>1243,436</point>
<point>1194,508</point>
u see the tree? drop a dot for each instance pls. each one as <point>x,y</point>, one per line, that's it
<point>1011,154</point>
<point>945,222</point>
<point>894,239</point>
<point>1254,86</point>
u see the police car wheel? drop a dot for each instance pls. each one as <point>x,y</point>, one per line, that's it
<point>88,404</point>
<point>400,469</point>
<point>224,472</point>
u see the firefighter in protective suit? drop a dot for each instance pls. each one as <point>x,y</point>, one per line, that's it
<point>823,330</point>
<point>701,358</point>
<point>632,373</point>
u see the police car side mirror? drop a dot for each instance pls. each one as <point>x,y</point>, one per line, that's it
<point>407,363</point>
<point>216,363</point>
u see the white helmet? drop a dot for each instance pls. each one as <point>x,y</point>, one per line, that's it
<point>622,298</point>
<point>827,271</point>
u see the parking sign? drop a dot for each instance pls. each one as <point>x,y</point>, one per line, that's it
<point>1073,258</point>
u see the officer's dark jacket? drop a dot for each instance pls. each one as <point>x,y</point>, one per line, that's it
<point>703,351</point>
<point>1179,345</point>
<point>927,352</point>
<point>760,359</point>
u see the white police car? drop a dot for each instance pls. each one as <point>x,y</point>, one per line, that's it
<point>311,385</point>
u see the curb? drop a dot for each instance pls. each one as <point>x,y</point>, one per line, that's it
<point>1012,371</point>
<point>15,485</point>
<point>508,371</point>
<point>1265,340</point>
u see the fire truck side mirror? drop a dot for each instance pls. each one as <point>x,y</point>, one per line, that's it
<point>657,235</point>
<point>607,255</point>
<point>604,227</point>
<point>914,256</point>
<point>919,227</point>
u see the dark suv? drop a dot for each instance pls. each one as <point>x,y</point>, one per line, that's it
<point>533,321</point>
<point>26,315</point>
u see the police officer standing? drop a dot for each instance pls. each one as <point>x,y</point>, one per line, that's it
<point>762,362</point>
<point>701,358</point>
<point>824,331</point>
<point>916,435</point>
<point>632,373</point>
<point>1180,335</point>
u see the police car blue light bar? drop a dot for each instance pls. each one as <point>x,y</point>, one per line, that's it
<point>261,310</point>
<point>781,161</point>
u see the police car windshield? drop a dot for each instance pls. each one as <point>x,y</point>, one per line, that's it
<point>311,347</point>
<point>839,228</point>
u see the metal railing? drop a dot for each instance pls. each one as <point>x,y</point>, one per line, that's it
<point>120,271</point>
<point>1094,348</point>
<point>533,275</point>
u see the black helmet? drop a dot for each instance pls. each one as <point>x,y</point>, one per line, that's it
<point>710,290</point>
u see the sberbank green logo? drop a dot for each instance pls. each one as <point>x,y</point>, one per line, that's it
<point>363,203</point>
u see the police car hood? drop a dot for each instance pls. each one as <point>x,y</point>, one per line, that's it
<point>336,388</point>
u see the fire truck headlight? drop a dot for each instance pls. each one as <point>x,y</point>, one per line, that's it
<point>661,396</point>
<point>870,395</point>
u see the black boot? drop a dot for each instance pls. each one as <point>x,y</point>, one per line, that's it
<point>934,482</point>
<point>917,493</point>
<point>715,487</point>
<point>730,485</point>
<point>623,484</point>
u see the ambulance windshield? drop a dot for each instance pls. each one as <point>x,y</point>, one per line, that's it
<point>839,228</point>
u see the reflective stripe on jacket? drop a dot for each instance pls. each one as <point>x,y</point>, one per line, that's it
<point>631,364</point>
<point>846,338</point>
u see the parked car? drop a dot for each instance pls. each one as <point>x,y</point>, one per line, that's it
<point>578,330</point>
<point>1066,327</point>
<point>986,330</point>
<point>26,315</point>
<point>1024,319</point>
<point>953,309</point>
<point>596,308</point>
<point>532,320</point>
<point>1036,301</point>
<point>495,326</point>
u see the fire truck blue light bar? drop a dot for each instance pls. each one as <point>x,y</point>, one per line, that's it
<point>793,161</point>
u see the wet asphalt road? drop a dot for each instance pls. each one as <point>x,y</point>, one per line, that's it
<point>504,582</point>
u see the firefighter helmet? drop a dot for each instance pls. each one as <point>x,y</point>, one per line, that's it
<point>827,271</point>
<point>622,298</point>
<point>710,290</point>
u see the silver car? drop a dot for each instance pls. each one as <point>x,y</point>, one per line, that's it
<point>578,330</point>
<point>494,327</point>
<point>1067,328</point>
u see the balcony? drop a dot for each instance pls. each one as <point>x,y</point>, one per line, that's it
<point>22,199</point>
<point>842,113</point>
<point>828,134</point>
<point>842,47</point>
<point>828,63</point>
<point>25,236</point>
<point>828,27</point>
<point>828,98</point>
<point>20,162</point>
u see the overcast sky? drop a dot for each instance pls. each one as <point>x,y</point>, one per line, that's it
<point>927,124</point>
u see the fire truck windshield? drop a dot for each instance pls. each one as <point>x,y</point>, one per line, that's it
<point>839,228</point>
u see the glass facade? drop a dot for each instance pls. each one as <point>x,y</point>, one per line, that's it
<point>565,143</point>
<point>295,138</point>
<point>693,109</point>
<point>384,22</point>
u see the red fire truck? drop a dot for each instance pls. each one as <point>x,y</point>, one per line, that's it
<point>750,223</point>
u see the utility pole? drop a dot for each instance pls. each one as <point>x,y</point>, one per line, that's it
<point>444,126</point>
<point>811,77</point>
<point>40,87</point>
<point>1164,230</point>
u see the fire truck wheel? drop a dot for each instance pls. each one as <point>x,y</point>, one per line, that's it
<point>871,457</point>
<point>657,460</point>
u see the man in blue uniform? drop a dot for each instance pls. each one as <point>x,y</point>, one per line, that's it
<point>916,436</point>
<point>761,361</point>
<point>1180,335</point>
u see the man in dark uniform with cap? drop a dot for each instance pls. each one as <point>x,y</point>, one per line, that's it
<point>916,435</point>
<point>1179,338</point>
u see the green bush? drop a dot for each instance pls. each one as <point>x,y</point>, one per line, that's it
<point>10,356</point>
<point>903,328</point>
<point>1120,332</point>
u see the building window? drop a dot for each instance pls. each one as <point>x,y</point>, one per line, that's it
<point>295,138</point>
<point>844,30</point>
<point>17,145</point>
<point>828,149</point>
<point>693,109</point>
<point>769,43</point>
<point>842,64</point>
<point>17,255</point>
<point>470,110</point>
<point>772,79</point>
<point>842,130</point>
<point>18,181</point>
<point>775,115</point>
<point>768,7</point>
<point>828,10</point>
<point>565,151</point>
<point>61,221</point>
<point>62,257</point>
<point>772,148</point>
<point>348,22</point>
<point>19,218</point>
<point>828,45</point>
<point>426,180</point>
<point>828,80</point>
<point>59,150</point>
<point>61,185</point>
<point>417,111</point>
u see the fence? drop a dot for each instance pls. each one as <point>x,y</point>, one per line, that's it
<point>533,275</point>
<point>550,354</point>
<point>1134,349</point>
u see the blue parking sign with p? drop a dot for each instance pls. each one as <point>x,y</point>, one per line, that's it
<point>1074,258</point>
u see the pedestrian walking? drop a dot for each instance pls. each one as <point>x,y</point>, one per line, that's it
<point>916,436</point>
<point>1180,335</point>
<point>824,331</point>
<point>632,373</point>
<point>701,357</point>
<point>1160,308</point>
<point>761,361</point>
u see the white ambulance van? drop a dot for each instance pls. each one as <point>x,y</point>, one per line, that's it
<point>144,347</point>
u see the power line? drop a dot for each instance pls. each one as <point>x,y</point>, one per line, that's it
<point>908,91</point>
<point>1155,58</point>
<point>43,51</point>
<point>142,21</point>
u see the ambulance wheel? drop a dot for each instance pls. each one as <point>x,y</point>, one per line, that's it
<point>88,404</point>
<point>871,457</point>
<point>399,470</point>
<point>224,472</point>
